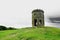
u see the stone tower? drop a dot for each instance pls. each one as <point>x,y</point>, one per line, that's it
<point>37,18</point>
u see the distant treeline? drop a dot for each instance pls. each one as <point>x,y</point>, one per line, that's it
<point>5,28</point>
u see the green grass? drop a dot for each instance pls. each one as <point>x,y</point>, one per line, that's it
<point>47,33</point>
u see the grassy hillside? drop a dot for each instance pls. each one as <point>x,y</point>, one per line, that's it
<point>47,33</point>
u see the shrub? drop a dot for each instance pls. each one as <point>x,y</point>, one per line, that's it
<point>11,28</point>
<point>3,28</point>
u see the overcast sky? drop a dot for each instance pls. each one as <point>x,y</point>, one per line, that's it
<point>17,13</point>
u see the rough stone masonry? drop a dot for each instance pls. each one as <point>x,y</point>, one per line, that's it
<point>37,18</point>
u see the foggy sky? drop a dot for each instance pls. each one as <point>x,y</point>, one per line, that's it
<point>17,13</point>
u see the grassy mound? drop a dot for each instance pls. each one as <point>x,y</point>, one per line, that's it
<point>47,33</point>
